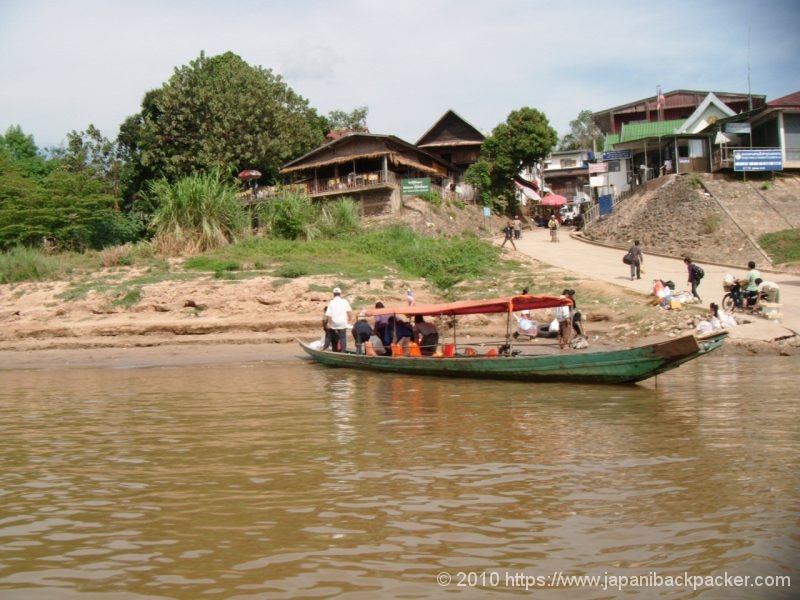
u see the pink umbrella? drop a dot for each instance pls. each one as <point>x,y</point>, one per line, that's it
<point>249,174</point>
<point>553,200</point>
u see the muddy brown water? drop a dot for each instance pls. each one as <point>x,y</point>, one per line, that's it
<point>283,479</point>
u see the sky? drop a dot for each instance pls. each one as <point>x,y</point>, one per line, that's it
<point>67,64</point>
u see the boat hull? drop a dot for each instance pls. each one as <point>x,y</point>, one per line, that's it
<point>628,365</point>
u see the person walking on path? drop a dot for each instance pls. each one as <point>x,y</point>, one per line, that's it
<point>637,258</point>
<point>694,275</point>
<point>517,223</point>
<point>553,226</point>
<point>508,232</point>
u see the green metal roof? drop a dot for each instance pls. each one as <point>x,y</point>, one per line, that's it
<point>639,131</point>
<point>611,139</point>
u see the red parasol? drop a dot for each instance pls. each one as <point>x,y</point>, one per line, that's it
<point>249,174</point>
<point>553,200</point>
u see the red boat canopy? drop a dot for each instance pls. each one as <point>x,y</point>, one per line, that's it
<point>476,307</point>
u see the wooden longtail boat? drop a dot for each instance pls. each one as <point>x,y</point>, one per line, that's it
<point>628,365</point>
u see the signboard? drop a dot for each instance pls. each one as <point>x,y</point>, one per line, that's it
<point>767,159</point>
<point>414,187</point>
<point>598,167</point>
<point>597,181</point>
<point>617,154</point>
<point>487,212</point>
<point>737,128</point>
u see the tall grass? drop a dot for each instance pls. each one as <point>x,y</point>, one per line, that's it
<point>25,264</point>
<point>197,213</point>
<point>339,218</point>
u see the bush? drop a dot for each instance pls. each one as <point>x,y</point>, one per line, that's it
<point>710,223</point>
<point>432,197</point>
<point>288,216</point>
<point>116,256</point>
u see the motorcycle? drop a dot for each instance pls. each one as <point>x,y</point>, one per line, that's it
<point>734,295</point>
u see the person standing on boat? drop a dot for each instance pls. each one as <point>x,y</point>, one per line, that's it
<point>380,322</point>
<point>564,324</point>
<point>339,313</point>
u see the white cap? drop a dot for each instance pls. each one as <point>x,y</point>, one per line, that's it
<point>337,291</point>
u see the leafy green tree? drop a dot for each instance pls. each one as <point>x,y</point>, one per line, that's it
<point>65,210</point>
<point>218,112</point>
<point>523,140</point>
<point>90,151</point>
<point>353,121</point>
<point>584,134</point>
<point>479,176</point>
<point>22,150</point>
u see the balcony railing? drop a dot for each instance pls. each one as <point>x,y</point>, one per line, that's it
<point>353,181</point>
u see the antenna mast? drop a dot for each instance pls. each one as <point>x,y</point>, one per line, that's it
<point>749,95</point>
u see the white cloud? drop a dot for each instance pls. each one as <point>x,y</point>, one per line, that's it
<point>90,61</point>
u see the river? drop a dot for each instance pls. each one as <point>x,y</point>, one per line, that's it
<point>283,479</point>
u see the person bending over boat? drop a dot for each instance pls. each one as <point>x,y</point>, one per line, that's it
<point>362,331</point>
<point>398,333</point>
<point>425,335</point>
<point>577,317</point>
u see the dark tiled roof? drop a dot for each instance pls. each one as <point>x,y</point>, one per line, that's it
<point>790,100</point>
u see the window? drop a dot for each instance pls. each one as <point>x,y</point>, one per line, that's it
<point>567,162</point>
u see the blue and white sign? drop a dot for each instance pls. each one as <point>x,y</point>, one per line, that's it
<point>617,155</point>
<point>768,159</point>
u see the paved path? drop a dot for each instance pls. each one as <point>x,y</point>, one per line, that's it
<point>595,261</point>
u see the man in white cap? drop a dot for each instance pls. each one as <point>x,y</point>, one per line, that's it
<point>339,313</point>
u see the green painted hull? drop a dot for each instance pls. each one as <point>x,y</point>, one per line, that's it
<point>629,365</point>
